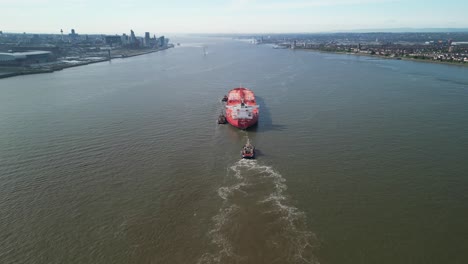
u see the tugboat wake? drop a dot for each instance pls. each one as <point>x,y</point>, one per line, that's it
<point>257,223</point>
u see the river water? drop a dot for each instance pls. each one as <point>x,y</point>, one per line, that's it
<point>360,160</point>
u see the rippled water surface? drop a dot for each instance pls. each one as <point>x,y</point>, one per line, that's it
<point>360,160</point>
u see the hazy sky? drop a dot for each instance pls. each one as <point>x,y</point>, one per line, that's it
<point>230,16</point>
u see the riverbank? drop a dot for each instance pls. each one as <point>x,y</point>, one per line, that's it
<point>388,57</point>
<point>6,72</point>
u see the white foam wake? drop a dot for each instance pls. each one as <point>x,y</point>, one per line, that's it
<point>257,221</point>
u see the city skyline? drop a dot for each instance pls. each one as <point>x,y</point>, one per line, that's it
<point>234,16</point>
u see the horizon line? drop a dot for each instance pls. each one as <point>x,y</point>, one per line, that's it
<point>376,30</point>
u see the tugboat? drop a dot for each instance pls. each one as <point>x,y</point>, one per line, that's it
<point>225,98</point>
<point>221,119</point>
<point>248,151</point>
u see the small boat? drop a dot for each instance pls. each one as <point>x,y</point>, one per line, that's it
<point>221,119</point>
<point>248,151</point>
<point>225,98</point>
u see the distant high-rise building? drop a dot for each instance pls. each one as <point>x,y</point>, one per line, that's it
<point>161,41</point>
<point>146,41</point>
<point>133,39</point>
<point>73,35</point>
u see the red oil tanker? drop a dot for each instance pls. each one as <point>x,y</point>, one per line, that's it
<point>241,108</point>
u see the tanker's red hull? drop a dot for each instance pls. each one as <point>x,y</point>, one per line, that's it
<point>241,108</point>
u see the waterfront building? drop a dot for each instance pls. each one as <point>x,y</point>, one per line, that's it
<point>124,39</point>
<point>25,58</point>
<point>460,43</point>
<point>113,40</point>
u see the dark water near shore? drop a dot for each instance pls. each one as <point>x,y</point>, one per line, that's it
<point>361,160</point>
